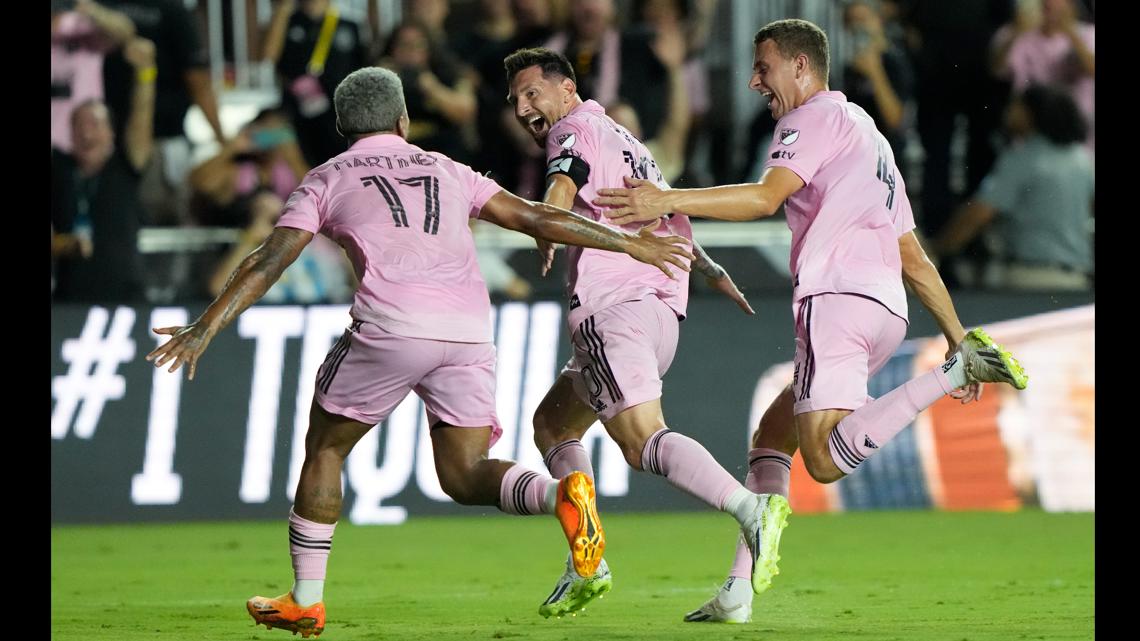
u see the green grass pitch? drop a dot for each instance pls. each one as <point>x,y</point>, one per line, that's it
<point>868,575</point>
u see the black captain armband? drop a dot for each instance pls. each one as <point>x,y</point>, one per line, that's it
<point>571,165</point>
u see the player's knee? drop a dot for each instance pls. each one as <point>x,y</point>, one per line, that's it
<point>545,436</point>
<point>631,449</point>
<point>462,496</point>
<point>326,447</point>
<point>633,457</point>
<point>820,466</point>
<point>454,481</point>
<point>774,435</point>
<point>815,467</point>
<point>777,429</point>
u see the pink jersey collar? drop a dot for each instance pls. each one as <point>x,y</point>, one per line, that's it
<point>588,105</point>
<point>379,140</point>
<point>830,95</point>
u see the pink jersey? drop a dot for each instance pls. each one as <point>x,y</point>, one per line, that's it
<point>77,50</point>
<point>596,153</point>
<point>401,213</point>
<point>847,219</point>
<point>1035,58</point>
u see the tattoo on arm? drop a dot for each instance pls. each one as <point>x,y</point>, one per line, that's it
<point>258,271</point>
<point>561,226</point>
<point>603,237</point>
<point>706,265</point>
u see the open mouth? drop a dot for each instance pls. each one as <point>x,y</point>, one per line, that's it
<point>536,125</point>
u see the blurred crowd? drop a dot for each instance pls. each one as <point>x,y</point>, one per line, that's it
<point>987,104</point>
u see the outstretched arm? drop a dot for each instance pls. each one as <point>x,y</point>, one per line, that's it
<point>923,278</point>
<point>249,282</point>
<point>558,225</point>
<point>642,200</point>
<point>718,279</point>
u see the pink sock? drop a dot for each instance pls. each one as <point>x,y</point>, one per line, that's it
<point>771,471</point>
<point>523,492</point>
<point>309,545</point>
<point>566,457</point>
<point>870,427</point>
<point>688,465</point>
<point>768,473</point>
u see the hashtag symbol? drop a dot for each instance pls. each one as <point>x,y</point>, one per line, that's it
<point>90,388</point>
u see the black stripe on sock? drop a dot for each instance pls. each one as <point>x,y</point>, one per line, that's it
<point>556,449</point>
<point>521,486</point>
<point>770,457</point>
<point>844,451</point>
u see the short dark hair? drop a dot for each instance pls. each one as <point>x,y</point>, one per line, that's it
<point>793,37</point>
<point>1055,114</point>
<point>551,62</point>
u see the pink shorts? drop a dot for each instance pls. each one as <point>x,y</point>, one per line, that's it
<point>842,340</point>
<point>369,371</point>
<point>621,353</point>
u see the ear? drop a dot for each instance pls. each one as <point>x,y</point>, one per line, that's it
<point>403,125</point>
<point>568,87</point>
<point>338,128</point>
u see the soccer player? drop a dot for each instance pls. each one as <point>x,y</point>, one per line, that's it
<point>420,322</point>
<point>623,323</point>
<point>853,245</point>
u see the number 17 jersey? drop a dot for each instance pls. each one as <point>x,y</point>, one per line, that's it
<point>401,215</point>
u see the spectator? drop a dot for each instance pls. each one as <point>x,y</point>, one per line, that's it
<point>313,49</point>
<point>490,37</point>
<point>432,15</point>
<point>688,21</point>
<point>440,96</point>
<point>1047,45</point>
<point>611,65</point>
<point>1039,196</point>
<point>668,147</point>
<point>79,39</point>
<point>505,151</point>
<point>534,21</point>
<point>953,80</point>
<point>183,77</point>
<point>491,40</point>
<point>263,157</point>
<point>95,209</point>
<point>878,77</point>
<point>891,13</point>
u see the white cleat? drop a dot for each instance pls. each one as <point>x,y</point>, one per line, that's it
<point>572,593</point>
<point>762,533</point>
<point>721,609</point>
<point>987,362</point>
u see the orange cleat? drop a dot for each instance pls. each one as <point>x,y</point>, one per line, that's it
<point>283,612</point>
<point>578,513</point>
